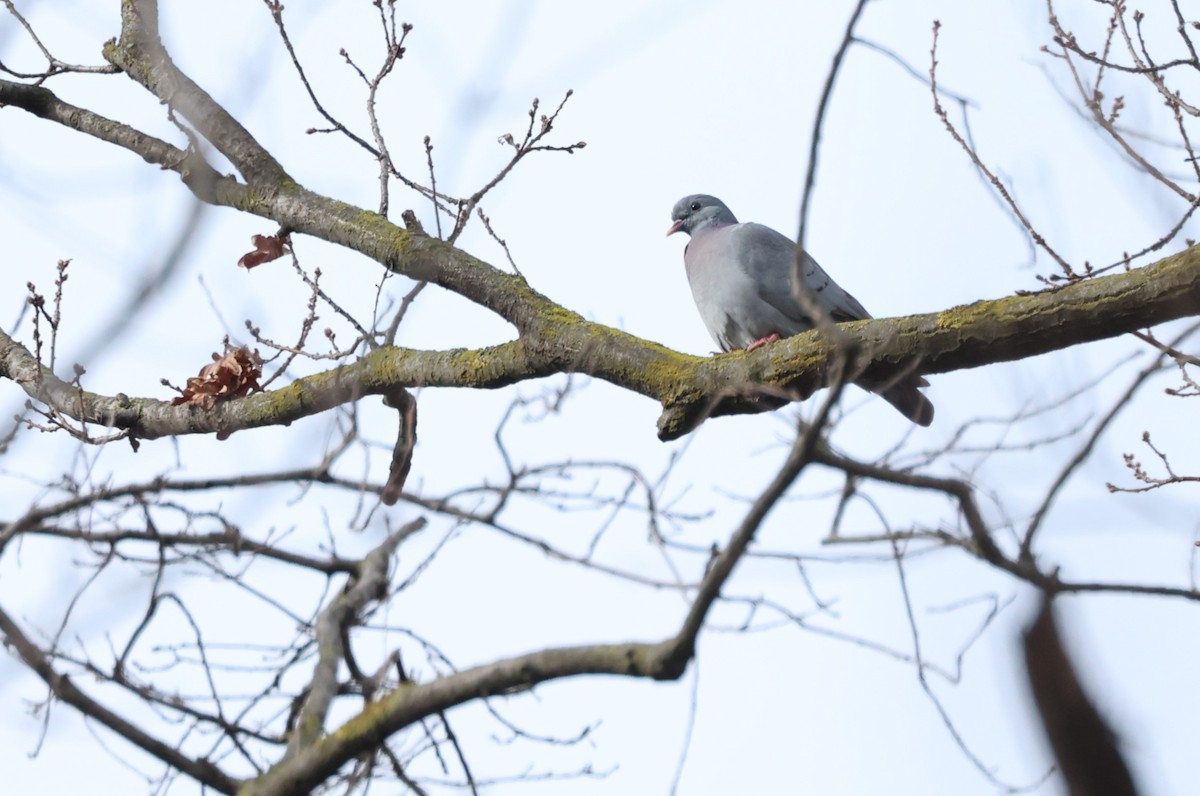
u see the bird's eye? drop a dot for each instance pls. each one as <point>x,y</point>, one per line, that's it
<point>695,206</point>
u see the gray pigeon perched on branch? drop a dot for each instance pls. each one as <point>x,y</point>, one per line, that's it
<point>741,278</point>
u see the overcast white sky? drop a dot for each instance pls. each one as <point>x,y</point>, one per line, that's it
<point>672,98</point>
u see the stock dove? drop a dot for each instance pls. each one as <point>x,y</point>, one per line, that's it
<point>741,278</point>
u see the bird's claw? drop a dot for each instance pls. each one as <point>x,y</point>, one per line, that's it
<point>762,341</point>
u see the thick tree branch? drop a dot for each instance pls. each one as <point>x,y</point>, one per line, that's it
<point>375,373</point>
<point>555,340</point>
<point>140,54</point>
<point>690,388</point>
<point>370,584</point>
<point>200,177</point>
<point>410,702</point>
<point>551,338</point>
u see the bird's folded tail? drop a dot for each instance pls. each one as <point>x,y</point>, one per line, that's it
<point>909,400</point>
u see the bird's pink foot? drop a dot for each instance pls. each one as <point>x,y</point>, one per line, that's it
<point>762,341</point>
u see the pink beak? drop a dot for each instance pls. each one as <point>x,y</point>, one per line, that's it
<point>678,225</point>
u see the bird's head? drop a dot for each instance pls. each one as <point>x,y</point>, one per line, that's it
<point>693,213</point>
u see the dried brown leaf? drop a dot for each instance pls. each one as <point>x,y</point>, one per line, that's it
<point>266,249</point>
<point>233,375</point>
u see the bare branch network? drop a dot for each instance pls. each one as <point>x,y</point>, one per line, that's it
<point>294,734</point>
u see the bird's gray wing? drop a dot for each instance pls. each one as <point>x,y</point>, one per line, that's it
<point>769,257</point>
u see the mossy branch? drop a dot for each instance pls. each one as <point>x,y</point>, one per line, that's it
<point>552,339</point>
<point>689,388</point>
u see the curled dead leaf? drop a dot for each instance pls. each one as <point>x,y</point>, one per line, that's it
<point>266,249</point>
<point>233,375</point>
